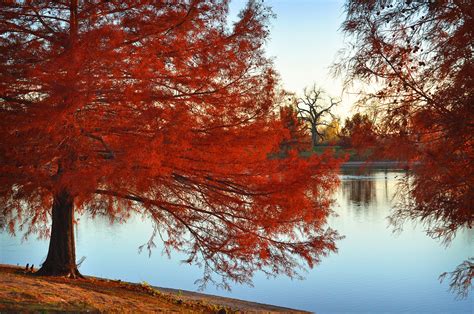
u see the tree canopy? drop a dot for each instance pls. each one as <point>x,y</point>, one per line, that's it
<point>358,132</point>
<point>160,108</point>
<point>416,59</point>
<point>419,55</point>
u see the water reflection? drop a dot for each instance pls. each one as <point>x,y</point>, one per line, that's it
<point>2,221</point>
<point>364,194</point>
<point>360,192</point>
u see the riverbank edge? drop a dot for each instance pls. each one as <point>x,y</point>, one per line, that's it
<point>379,165</point>
<point>21,291</point>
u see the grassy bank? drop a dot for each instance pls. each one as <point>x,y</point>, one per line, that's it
<point>24,292</point>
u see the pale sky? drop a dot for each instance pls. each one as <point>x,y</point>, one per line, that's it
<point>304,41</point>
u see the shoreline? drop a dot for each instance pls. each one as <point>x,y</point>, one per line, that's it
<point>242,305</point>
<point>388,165</point>
<point>24,292</point>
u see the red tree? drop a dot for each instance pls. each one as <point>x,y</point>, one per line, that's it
<point>419,57</point>
<point>297,131</point>
<point>161,108</point>
<point>358,132</point>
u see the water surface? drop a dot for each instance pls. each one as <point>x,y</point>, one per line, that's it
<point>374,270</point>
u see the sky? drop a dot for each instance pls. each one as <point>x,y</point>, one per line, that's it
<point>304,40</point>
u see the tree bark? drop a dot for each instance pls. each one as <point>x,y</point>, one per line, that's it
<point>61,259</point>
<point>314,137</point>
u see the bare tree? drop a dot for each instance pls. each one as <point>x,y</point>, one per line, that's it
<point>313,108</point>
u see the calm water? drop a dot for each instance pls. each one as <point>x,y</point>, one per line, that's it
<point>374,271</point>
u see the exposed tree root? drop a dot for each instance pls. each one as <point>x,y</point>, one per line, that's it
<point>72,272</point>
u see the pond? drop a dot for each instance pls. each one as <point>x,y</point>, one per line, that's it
<point>375,270</point>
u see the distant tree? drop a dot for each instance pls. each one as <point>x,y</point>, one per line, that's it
<point>314,109</point>
<point>358,132</point>
<point>417,56</point>
<point>159,108</point>
<point>331,133</point>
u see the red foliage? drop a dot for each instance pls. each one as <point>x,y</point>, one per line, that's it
<point>418,56</point>
<point>297,137</point>
<point>358,132</point>
<point>161,108</point>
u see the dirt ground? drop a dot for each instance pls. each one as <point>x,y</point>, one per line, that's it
<point>25,292</point>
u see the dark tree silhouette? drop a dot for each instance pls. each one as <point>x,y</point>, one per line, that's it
<point>314,109</point>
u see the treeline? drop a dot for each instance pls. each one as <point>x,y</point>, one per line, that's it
<point>313,127</point>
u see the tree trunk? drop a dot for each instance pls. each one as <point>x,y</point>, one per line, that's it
<point>61,259</point>
<point>314,137</point>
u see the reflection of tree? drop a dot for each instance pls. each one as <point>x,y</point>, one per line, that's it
<point>2,221</point>
<point>360,191</point>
